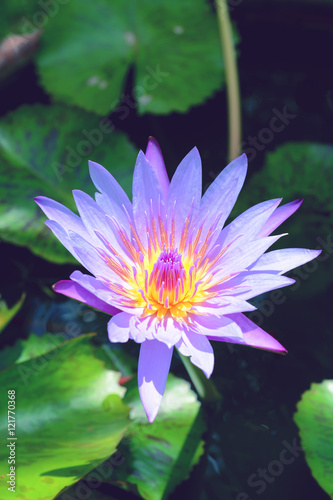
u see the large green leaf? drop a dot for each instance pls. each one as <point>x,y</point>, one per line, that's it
<point>88,49</point>
<point>36,345</point>
<point>44,150</point>
<point>69,415</point>
<point>19,17</point>
<point>159,456</point>
<point>314,418</point>
<point>297,169</point>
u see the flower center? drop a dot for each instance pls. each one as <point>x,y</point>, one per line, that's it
<point>164,280</point>
<point>167,278</point>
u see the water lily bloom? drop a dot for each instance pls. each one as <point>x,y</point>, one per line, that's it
<point>167,268</point>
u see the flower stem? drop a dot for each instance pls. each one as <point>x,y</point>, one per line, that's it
<point>232,80</point>
<point>204,386</point>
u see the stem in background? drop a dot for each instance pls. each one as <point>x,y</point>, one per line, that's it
<point>232,80</point>
<point>204,386</point>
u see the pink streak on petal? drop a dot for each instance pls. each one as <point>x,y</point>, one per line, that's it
<point>154,364</point>
<point>278,216</point>
<point>155,158</point>
<point>77,292</point>
<point>253,335</point>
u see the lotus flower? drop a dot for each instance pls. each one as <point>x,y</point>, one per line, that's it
<point>167,268</point>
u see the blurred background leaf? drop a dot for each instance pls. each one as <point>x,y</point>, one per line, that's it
<point>44,150</point>
<point>8,313</point>
<point>173,67</point>
<point>314,418</point>
<point>158,456</point>
<point>14,17</point>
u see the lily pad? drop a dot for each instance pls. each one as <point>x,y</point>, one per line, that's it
<point>159,456</point>
<point>19,17</point>
<point>88,51</point>
<point>315,422</point>
<point>44,150</point>
<point>69,414</point>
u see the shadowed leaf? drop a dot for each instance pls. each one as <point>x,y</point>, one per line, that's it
<point>44,150</point>
<point>315,422</point>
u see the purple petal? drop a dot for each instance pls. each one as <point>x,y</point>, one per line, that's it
<point>165,330</point>
<point>101,228</point>
<point>90,257</point>
<point>249,223</point>
<point>222,194</point>
<point>154,364</point>
<point>142,329</point>
<point>168,331</point>
<point>113,200</point>
<point>257,283</point>
<point>77,292</point>
<point>238,258</point>
<point>253,335</point>
<point>225,305</point>
<point>92,215</point>
<point>63,237</point>
<point>118,327</point>
<point>102,291</point>
<point>200,351</point>
<point>281,261</point>
<point>155,158</point>
<point>62,215</point>
<point>93,285</point>
<point>214,217</point>
<point>184,193</point>
<point>147,196</point>
<point>279,216</point>
<point>217,326</point>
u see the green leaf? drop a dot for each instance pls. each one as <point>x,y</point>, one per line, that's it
<point>19,17</point>
<point>7,314</point>
<point>159,456</point>
<point>314,419</point>
<point>44,150</point>
<point>32,347</point>
<point>155,458</point>
<point>173,47</point>
<point>299,170</point>
<point>37,345</point>
<point>69,417</point>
